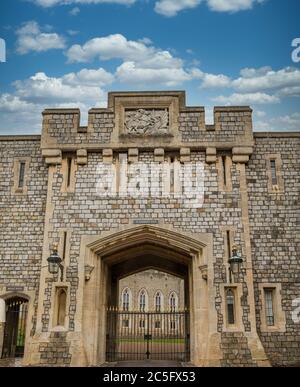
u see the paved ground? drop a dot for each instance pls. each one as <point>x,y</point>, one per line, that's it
<point>153,363</point>
<point>10,363</point>
<point>149,363</point>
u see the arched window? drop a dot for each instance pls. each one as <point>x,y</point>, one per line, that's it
<point>125,300</point>
<point>173,302</point>
<point>230,307</point>
<point>61,307</point>
<point>142,301</point>
<point>158,302</point>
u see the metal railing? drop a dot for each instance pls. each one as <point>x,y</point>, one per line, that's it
<point>15,328</point>
<point>147,335</point>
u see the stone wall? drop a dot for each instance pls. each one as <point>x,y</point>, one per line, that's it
<point>22,217</point>
<point>275,241</point>
<point>32,221</point>
<point>153,281</point>
<point>88,213</point>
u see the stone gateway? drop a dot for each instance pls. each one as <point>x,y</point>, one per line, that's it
<point>217,231</point>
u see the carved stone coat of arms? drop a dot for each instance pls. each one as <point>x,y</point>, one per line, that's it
<point>147,122</point>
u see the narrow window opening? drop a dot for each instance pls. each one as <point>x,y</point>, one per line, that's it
<point>224,170</point>
<point>69,171</point>
<point>64,245</point>
<point>21,174</point>
<point>61,307</point>
<point>172,175</point>
<point>158,302</point>
<point>142,301</point>
<point>157,324</point>
<point>273,172</point>
<point>228,241</point>
<point>126,300</point>
<point>270,320</point>
<point>230,307</point>
<point>172,303</point>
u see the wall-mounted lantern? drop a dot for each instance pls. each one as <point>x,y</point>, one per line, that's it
<point>235,263</point>
<point>54,263</point>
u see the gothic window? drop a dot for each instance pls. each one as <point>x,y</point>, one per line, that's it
<point>61,305</point>
<point>158,302</point>
<point>230,305</point>
<point>142,301</point>
<point>125,300</point>
<point>173,302</point>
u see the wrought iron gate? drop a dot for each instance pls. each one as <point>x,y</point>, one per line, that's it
<point>147,336</point>
<point>15,328</point>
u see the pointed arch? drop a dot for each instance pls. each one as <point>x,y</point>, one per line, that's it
<point>126,299</point>
<point>158,301</point>
<point>173,301</point>
<point>143,300</point>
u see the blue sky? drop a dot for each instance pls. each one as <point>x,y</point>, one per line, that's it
<point>69,53</point>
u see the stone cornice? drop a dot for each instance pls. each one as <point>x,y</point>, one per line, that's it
<point>21,138</point>
<point>276,134</point>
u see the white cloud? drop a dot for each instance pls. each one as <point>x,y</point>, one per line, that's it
<point>232,5</point>
<point>211,80</point>
<point>261,85</point>
<point>73,87</point>
<point>253,80</point>
<point>118,47</point>
<point>87,77</point>
<point>31,38</point>
<point>291,122</point>
<point>246,99</point>
<point>288,122</point>
<point>21,111</point>
<point>260,113</point>
<point>73,32</point>
<point>171,8</point>
<point>129,73</point>
<point>143,63</point>
<point>74,11</point>
<point>11,103</point>
<point>51,3</point>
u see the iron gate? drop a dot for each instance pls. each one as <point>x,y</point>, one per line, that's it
<point>15,328</point>
<point>147,336</point>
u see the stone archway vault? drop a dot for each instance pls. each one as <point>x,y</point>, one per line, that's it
<point>99,253</point>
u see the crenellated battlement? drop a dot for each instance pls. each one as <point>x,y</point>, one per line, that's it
<point>149,120</point>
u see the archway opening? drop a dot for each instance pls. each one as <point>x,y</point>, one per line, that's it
<point>133,249</point>
<point>15,327</point>
<point>148,305</point>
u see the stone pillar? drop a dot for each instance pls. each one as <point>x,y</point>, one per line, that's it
<point>2,323</point>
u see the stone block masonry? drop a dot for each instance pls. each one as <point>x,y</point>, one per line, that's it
<point>49,195</point>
